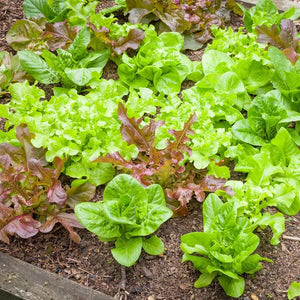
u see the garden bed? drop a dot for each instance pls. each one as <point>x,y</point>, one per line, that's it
<point>91,263</point>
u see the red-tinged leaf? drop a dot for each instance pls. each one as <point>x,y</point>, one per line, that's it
<point>24,226</point>
<point>183,195</point>
<point>291,55</point>
<point>133,134</point>
<point>15,153</point>
<point>190,18</point>
<point>131,41</point>
<point>211,184</point>
<point>56,194</point>
<point>59,35</point>
<point>25,137</point>
<point>59,163</point>
<point>45,175</point>
<point>66,220</point>
<point>115,159</point>
<point>80,193</point>
<point>285,40</point>
<point>181,136</point>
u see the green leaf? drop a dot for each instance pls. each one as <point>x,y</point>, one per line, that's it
<point>294,290</point>
<point>78,48</point>
<point>156,215</point>
<point>37,67</point>
<point>286,144</point>
<point>218,171</point>
<point>83,76</point>
<point>205,279</point>
<point>167,83</point>
<point>127,251</point>
<point>211,207</point>
<point>229,81</point>
<point>38,8</point>
<point>153,245</point>
<point>242,130</point>
<point>93,217</point>
<point>232,287</point>
<point>213,59</point>
<point>125,200</point>
<point>276,222</point>
<point>156,194</point>
<point>198,242</point>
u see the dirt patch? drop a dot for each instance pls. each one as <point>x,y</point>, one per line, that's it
<point>151,278</point>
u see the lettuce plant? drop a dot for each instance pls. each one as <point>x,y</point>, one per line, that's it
<point>275,167</point>
<point>192,19</point>
<point>78,127</point>
<point>158,64</point>
<point>266,115</point>
<point>266,13</point>
<point>72,67</point>
<point>286,40</point>
<point>10,70</point>
<point>31,196</point>
<point>286,78</point>
<point>127,214</point>
<point>163,166</point>
<point>224,250</point>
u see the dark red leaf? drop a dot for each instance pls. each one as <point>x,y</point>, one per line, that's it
<point>56,194</point>
<point>131,41</point>
<point>284,39</point>
<point>59,35</point>
<point>66,220</point>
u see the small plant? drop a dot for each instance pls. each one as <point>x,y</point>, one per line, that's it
<point>127,214</point>
<point>31,196</point>
<point>224,249</point>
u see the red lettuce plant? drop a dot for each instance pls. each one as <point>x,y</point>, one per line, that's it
<point>164,166</point>
<point>284,39</point>
<point>32,198</point>
<point>192,18</point>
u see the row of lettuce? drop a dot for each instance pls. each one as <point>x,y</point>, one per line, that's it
<point>174,126</point>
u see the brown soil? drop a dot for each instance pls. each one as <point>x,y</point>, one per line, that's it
<point>151,278</point>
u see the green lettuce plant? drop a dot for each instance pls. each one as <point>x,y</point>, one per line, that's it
<point>224,250</point>
<point>159,64</point>
<point>275,167</point>
<point>266,115</point>
<point>127,214</point>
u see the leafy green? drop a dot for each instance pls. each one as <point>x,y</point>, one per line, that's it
<point>294,290</point>
<point>126,215</point>
<point>165,69</point>
<point>266,114</point>
<point>274,167</point>
<point>31,196</point>
<point>192,19</point>
<point>26,34</point>
<point>10,70</point>
<point>286,78</point>
<point>286,40</point>
<point>224,250</point>
<point>163,166</point>
<point>70,125</point>
<point>73,67</point>
<point>56,12</point>
<point>266,13</point>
